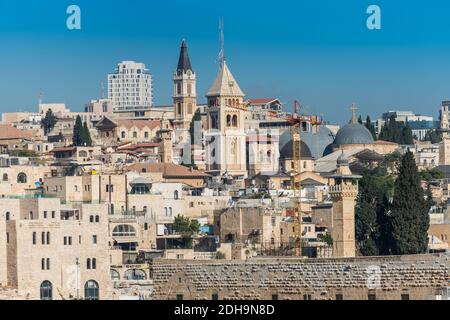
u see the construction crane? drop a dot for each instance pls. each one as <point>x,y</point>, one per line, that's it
<point>295,122</point>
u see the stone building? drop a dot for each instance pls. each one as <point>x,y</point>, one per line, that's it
<point>416,277</point>
<point>343,194</point>
<point>54,251</point>
<point>225,136</point>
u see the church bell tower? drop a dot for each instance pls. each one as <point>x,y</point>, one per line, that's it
<point>184,90</point>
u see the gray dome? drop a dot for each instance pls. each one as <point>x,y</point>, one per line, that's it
<point>286,151</point>
<point>353,133</point>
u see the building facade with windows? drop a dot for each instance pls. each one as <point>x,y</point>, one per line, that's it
<point>53,251</point>
<point>130,87</point>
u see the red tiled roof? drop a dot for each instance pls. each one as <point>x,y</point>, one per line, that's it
<point>261,101</point>
<point>151,124</point>
<point>385,142</point>
<point>9,132</point>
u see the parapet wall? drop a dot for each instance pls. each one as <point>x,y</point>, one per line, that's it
<point>396,277</point>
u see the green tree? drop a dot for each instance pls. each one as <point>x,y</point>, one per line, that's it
<point>396,132</point>
<point>372,207</point>
<point>86,136</point>
<point>370,127</point>
<point>409,219</point>
<point>430,174</point>
<point>184,225</point>
<point>77,138</point>
<point>433,136</point>
<point>360,120</point>
<point>49,121</point>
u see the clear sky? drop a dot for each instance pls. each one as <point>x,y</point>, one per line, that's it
<point>317,51</point>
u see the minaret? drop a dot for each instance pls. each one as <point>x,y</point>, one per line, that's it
<point>444,145</point>
<point>343,194</point>
<point>165,149</point>
<point>184,90</point>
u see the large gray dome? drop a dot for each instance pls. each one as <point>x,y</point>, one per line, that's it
<point>286,151</point>
<point>353,133</point>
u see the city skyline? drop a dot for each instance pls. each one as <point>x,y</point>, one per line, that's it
<point>327,61</point>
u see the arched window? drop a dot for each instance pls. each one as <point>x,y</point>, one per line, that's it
<point>46,290</point>
<point>170,211</point>
<point>5,177</point>
<point>175,195</point>
<point>115,275</point>
<point>228,120</point>
<point>21,178</point>
<point>91,218</point>
<point>190,108</point>
<point>88,263</point>
<point>189,89</point>
<point>122,134</point>
<point>97,218</point>
<point>166,212</point>
<point>179,88</point>
<point>124,230</point>
<point>235,121</point>
<point>134,134</point>
<point>8,216</point>
<point>179,108</point>
<point>134,274</point>
<point>91,291</point>
<point>94,263</point>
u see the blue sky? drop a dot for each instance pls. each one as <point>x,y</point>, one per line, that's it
<point>317,51</point>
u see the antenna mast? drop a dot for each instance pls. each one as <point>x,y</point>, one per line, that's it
<point>222,44</point>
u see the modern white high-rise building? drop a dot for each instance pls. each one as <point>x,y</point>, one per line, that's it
<point>130,87</point>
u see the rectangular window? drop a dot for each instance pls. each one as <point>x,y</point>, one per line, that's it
<point>45,214</point>
<point>94,239</point>
<point>34,237</point>
<point>65,241</point>
<point>215,296</point>
<point>7,237</point>
<point>70,241</point>
<point>405,296</point>
<point>274,297</point>
<point>307,297</point>
<point>339,297</point>
<point>179,297</point>
<point>372,296</point>
<point>53,214</point>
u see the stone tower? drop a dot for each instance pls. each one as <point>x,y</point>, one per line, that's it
<point>165,149</point>
<point>225,137</point>
<point>444,145</point>
<point>184,90</point>
<point>343,194</point>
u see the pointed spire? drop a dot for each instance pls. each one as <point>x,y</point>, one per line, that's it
<point>184,64</point>
<point>225,84</point>
<point>354,115</point>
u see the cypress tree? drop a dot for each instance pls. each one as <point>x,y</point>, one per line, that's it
<point>77,132</point>
<point>87,141</point>
<point>49,121</point>
<point>371,127</point>
<point>360,120</point>
<point>409,219</point>
<point>366,225</point>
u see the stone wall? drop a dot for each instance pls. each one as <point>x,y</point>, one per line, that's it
<point>413,277</point>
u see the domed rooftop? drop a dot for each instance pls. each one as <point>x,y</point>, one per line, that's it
<point>286,151</point>
<point>353,133</point>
